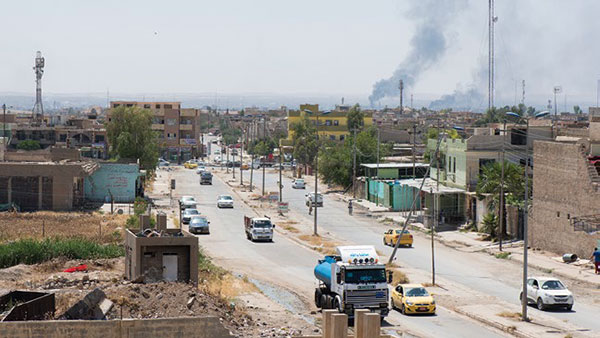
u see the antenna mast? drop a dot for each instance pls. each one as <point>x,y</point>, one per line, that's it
<point>38,108</point>
<point>401,88</point>
<point>491,21</point>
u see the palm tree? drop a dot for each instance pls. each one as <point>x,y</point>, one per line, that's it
<point>489,183</point>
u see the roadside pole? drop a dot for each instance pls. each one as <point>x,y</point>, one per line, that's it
<point>227,163</point>
<point>378,141</point>
<point>354,163</point>
<point>252,167</point>
<point>414,150</point>
<point>501,208</point>
<point>233,164</point>
<point>280,165</point>
<point>264,155</point>
<point>242,157</point>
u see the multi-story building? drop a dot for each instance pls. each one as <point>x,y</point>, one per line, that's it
<point>179,135</point>
<point>332,126</point>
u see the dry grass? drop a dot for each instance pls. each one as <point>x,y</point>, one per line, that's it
<point>320,244</point>
<point>399,277</point>
<point>287,226</point>
<point>511,315</point>
<point>36,225</point>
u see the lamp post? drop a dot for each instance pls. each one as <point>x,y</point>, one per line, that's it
<point>525,239</point>
<point>316,165</point>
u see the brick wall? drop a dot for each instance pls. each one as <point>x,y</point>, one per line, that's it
<point>201,327</point>
<point>562,189</point>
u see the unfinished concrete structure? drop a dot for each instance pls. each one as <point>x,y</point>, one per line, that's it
<point>171,255</point>
<point>44,185</point>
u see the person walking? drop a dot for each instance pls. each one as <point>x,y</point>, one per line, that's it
<point>310,209</point>
<point>350,208</point>
<point>596,258</point>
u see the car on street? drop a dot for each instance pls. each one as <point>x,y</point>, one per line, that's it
<point>199,225</point>
<point>163,163</point>
<point>391,236</point>
<point>299,184</point>
<point>206,178</point>
<point>548,292</point>
<point>191,164</point>
<point>225,201</point>
<point>200,170</point>
<point>412,299</point>
<point>187,202</point>
<point>187,215</point>
<point>217,151</point>
<point>310,199</point>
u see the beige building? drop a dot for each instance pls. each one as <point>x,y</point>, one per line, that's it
<point>178,128</point>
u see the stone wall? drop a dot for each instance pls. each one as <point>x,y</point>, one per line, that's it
<point>562,189</point>
<point>201,327</point>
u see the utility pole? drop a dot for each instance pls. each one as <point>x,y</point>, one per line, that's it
<point>436,203</point>
<point>414,150</point>
<point>242,157</point>
<point>491,23</point>
<point>523,95</point>
<point>525,225</point>
<point>233,163</point>
<point>411,102</point>
<point>280,168</point>
<point>263,164</point>
<point>378,166</point>
<point>316,175</point>
<point>354,163</point>
<point>501,209</point>
<point>227,164</point>
<point>4,127</point>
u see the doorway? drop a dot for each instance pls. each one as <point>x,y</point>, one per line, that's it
<point>169,267</point>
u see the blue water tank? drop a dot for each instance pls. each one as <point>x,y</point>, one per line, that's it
<point>323,270</point>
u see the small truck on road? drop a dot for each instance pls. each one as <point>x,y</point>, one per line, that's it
<point>258,228</point>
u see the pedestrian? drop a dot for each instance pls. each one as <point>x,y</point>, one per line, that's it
<point>350,207</point>
<point>596,257</point>
<point>310,209</point>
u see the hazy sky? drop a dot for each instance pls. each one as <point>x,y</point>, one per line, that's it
<point>290,47</point>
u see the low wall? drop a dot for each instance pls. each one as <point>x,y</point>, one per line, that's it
<point>202,327</point>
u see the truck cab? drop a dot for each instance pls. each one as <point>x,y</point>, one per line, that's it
<point>352,279</point>
<point>258,228</point>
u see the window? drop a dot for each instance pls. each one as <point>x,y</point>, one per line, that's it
<point>454,165</point>
<point>146,106</point>
<point>62,138</point>
<point>332,137</point>
<point>518,137</point>
<point>115,105</point>
<point>483,162</point>
<point>99,138</point>
<point>336,122</point>
<point>130,105</point>
<point>171,122</point>
<point>327,122</point>
<point>172,136</point>
<point>342,137</point>
<point>157,106</point>
<point>168,106</point>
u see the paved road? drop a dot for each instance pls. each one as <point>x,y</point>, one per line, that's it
<point>494,277</point>
<point>289,265</point>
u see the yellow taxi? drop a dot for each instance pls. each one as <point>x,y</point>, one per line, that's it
<point>190,165</point>
<point>391,236</point>
<point>412,299</point>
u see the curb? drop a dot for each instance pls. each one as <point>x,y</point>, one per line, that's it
<point>501,327</point>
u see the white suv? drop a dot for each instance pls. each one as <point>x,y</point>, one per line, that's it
<point>548,292</point>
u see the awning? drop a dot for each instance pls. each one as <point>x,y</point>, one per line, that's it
<point>431,186</point>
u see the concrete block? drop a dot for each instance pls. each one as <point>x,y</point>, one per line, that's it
<point>372,325</point>
<point>327,325</point>
<point>339,322</point>
<point>359,322</point>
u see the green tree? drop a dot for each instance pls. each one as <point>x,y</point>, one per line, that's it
<point>336,160</point>
<point>305,144</point>
<point>490,224</point>
<point>577,110</point>
<point>29,145</point>
<point>130,136</point>
<point>356,118</point>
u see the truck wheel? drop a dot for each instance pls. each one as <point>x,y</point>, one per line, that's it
<point>337,304</point>
<point>318,295</point>
<point>323,301</point>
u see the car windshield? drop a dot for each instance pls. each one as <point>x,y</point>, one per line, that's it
<point>399,231</point>
<point>191,212</point>
<point>417,292</point>
<point>262,224</point>
<point>299,181</point>
<point>188,199</point>
<point>206,174</point>
<point>553,285</point>
<point>198,221</point>
<point>365,276</point>
<point>227,198</point>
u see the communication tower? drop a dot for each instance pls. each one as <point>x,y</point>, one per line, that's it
<point>38,108</point>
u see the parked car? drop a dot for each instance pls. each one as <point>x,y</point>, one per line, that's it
<point>187,202</point>
<point>391,236</point>
<point>187,215</point>
<point>310,199</point>
<point>299,184</point>
<point>547,292</point>
<point>412,298</point>
<point>163,163</point>
<point>199,225</point>
<point>225,201</point>
<point>190,164</point>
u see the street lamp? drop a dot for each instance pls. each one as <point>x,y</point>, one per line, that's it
<point>525,240</point>
<point>316,163</point>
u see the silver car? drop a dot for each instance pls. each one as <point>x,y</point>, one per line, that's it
<point>225,201</point>
<point>188,214</point>
<point>199,225</point>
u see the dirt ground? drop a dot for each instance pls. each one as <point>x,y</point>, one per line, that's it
<point>106,227</point>
<point>241,307</point>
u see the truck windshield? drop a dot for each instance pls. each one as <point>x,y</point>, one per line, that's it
<point>365,276</point>
<point>262,224</point>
